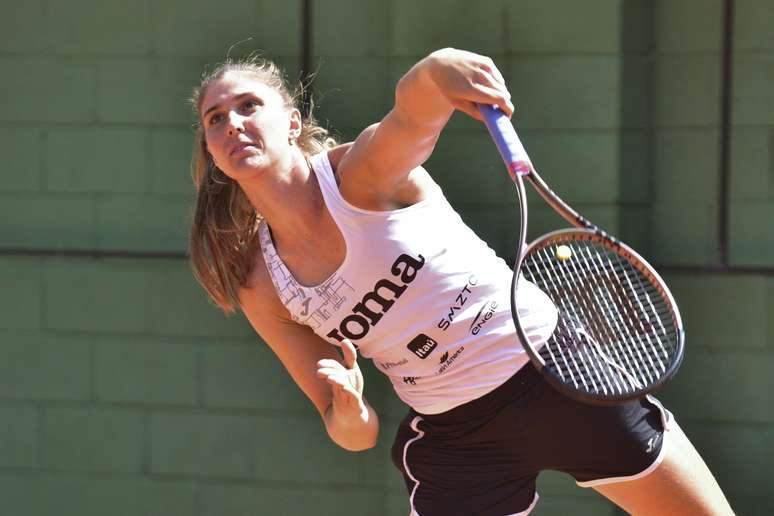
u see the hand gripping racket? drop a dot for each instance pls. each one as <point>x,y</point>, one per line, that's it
<point>619,335</point>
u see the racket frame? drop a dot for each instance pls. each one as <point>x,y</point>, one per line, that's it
<point>519,166</point>
<point>639,263</point>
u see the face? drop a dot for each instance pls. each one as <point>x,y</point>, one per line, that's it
<point>247,127</point>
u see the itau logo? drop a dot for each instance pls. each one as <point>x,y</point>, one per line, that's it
<point>422,345</point>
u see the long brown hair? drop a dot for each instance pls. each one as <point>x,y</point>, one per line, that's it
<point>223,235</point>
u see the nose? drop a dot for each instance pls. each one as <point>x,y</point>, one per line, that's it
<point>235,124</point>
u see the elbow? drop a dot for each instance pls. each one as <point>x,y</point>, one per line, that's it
<point>358,447</point>
<point>356,435</point>
<point>362,439</point>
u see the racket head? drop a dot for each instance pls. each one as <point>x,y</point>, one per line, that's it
<point>619,334</point>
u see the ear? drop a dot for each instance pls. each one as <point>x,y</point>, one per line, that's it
<point>295,124</point>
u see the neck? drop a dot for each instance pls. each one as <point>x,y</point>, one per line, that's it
<point>289,199</point>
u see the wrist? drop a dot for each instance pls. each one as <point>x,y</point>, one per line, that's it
<point>419,97</point>
<point>348,416</point>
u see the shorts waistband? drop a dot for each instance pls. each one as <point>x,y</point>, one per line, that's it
<point>524,378</point>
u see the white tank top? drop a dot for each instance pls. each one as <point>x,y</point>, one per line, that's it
<point>418,293</point>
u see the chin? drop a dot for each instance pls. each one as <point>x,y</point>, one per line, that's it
<point>249,167</point>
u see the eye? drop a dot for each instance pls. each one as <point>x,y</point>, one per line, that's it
<point>251,104</point>
<point>215,119</point>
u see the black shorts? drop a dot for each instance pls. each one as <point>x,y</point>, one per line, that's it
<point>483,457</point>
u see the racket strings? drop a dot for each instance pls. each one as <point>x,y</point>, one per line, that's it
<point>637,329</point>
<point>600,331</point>
<point>576,366</point>
<point>604,330</point>
<point>571,328</point>
<point>644,334</point>
<point>615,332</point>
<point>611,298</point>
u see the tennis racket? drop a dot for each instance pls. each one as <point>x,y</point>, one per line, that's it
<point>619,334</point>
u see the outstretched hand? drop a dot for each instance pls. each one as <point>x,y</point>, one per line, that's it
<point>346,381</point>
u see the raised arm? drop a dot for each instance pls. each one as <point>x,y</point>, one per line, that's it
<point>335,387</point>
<point>426,96</point>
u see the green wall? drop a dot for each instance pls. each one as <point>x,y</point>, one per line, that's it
<point>123,391</point>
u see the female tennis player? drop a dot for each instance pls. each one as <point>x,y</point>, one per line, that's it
<point>355,246</point>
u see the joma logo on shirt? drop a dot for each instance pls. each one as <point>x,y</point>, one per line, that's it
<point>378,302</point>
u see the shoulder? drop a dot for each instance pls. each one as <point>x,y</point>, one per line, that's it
<point>356,186</point>
<point>335,157</point>
<point>336,154</point>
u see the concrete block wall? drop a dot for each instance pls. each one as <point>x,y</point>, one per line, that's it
<point>123,391</point>
<point>723,394</point>
<point>686,136</point>
<point>752,151</point>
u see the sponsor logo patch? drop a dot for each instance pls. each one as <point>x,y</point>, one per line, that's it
<point>388,365</point>
<point>482,317</point>
<point>459,301</point>
<point>447,360</point>
<point>422,345</point>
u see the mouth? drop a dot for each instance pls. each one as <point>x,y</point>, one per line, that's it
<point>242,147</point>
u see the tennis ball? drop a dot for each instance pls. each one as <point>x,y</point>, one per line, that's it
<point>563,252</point>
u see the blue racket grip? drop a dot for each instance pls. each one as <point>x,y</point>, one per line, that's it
<point>507,141</point>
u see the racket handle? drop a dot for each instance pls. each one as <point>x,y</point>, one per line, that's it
<point>507,141</point>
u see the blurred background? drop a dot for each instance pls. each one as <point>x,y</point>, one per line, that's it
<point>123,391</point>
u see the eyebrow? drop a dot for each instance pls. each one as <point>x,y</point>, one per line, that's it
<point>217,106</point>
